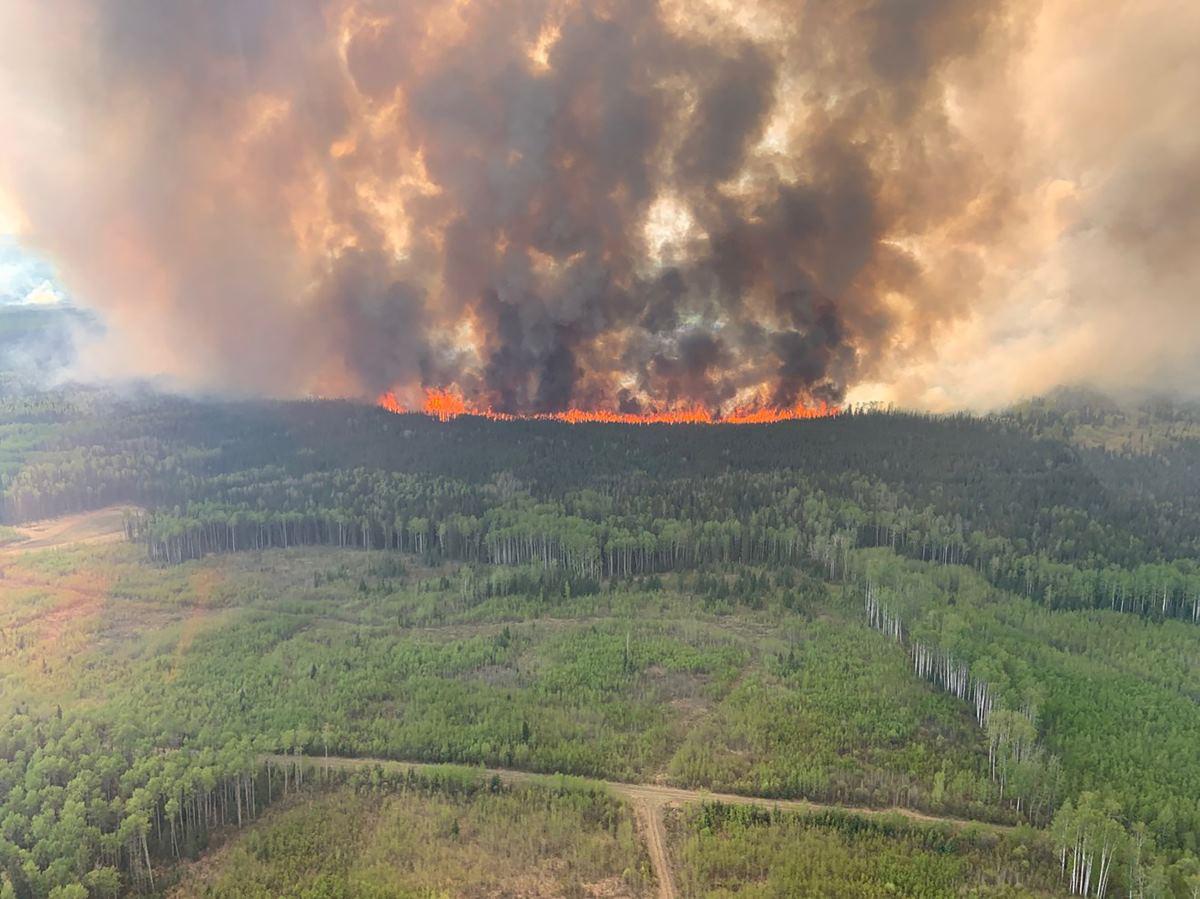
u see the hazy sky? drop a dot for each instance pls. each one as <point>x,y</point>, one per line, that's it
<point>622,204</point>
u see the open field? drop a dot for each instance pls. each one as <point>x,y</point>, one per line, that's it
<point>650,802</point>
<point>723,851</point>
<point>684,837</point>
<point>623,684</point>
<point>536,841</point>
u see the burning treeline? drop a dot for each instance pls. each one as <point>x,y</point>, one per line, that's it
<point>445,405</point>
<point>625,207</point>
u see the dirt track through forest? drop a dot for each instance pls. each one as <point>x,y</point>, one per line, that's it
<point>649,802</point>
<point>650,818</point>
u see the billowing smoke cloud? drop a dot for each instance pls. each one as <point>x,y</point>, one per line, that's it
<point>624,205</point>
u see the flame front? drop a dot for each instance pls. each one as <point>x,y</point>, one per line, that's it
<point>445,404</point>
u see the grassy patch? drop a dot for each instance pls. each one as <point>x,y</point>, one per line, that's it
<point>723,851</point>
<point>535,841</point>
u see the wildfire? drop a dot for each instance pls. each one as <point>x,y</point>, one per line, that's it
<point>444,404</point>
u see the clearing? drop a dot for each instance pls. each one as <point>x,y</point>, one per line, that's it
<point>649,801</point>
<point>101,526</point>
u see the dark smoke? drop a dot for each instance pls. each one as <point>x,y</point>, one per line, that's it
<point>363,196</point>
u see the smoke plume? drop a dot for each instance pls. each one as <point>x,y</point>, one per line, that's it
<point>625,205</point>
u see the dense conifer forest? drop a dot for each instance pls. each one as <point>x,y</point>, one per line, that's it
<point>985,618</point>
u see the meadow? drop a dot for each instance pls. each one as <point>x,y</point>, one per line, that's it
<point>431,836</point>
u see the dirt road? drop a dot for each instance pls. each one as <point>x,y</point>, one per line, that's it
<point>650,822</point>
<point>650,802</point>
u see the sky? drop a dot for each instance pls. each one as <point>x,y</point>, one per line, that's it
<point>624,205</point>
<point>24,279</point>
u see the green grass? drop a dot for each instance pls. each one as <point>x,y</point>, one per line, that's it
<point>838,717</point>
<point>355,841</point>
<point>637,682</point>
<point>724,851</point>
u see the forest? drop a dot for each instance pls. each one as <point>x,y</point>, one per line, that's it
<point>984,619</point>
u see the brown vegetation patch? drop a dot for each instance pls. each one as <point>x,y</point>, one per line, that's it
<point>76,602</point>
<point>54,622</point>
<point>99,526</point>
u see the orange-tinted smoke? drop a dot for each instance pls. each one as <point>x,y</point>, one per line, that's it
<point>630,205</point>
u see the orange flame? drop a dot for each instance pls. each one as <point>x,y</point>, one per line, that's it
<point>389,402</point>
<point>445,404</point>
